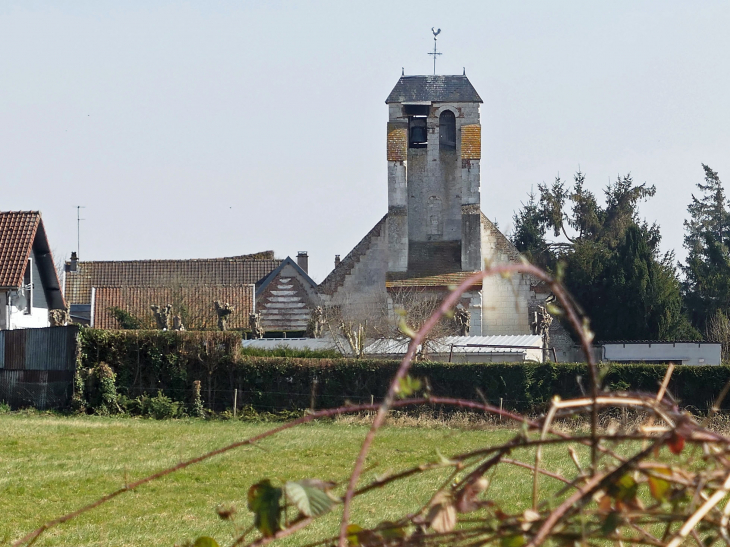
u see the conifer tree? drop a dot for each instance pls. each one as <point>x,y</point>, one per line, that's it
<point>613,265</point>
<point>707,271</point>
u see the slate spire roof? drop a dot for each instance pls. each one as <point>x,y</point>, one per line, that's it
<point>444,89</point>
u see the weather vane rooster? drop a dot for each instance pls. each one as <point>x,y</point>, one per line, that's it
<point>436,32</point>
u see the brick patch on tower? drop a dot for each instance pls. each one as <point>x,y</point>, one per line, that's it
<point>397,142</point>
<point>471,142</point>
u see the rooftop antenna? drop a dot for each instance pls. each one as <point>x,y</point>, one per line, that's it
<point>436,32</point>
<point>78,228</point>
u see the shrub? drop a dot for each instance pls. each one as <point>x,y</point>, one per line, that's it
<point>197,406</point>
<point>171,361</point>
<point>159,407</point>
<point>125,319</point>
<point>101,390</point>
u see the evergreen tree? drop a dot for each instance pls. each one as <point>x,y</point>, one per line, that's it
<point>613,266</point>
<point>708,214</point>
<point>529,233</point>
<point>640,296</point>
<point>707,271</point>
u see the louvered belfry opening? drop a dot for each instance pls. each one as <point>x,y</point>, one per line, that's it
<point>447,130</point>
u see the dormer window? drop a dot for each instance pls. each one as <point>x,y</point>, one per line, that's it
<point>447,130</point>
<point>417,128</point>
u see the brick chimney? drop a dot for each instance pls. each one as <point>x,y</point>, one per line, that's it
<point>303,261</point>
<point>337,260</point>
<point>73,262</point>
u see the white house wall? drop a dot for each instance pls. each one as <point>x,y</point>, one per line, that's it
<point>686,353</point>
<point>14,305</point>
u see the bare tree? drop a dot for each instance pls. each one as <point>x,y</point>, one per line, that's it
<point>413,306</point>
<point>223,310</point>
<point>718,330</point>
<point>162,315</point>
<point>315,326</point>
<point>254,323</point>
<point>355,325</point>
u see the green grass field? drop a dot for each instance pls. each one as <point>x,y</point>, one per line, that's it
<point>50,465</point>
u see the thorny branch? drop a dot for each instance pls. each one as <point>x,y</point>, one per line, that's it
<point>598,503</point>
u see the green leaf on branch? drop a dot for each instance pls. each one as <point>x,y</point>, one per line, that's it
<point>408,386</point>
<point>263,501</point>
<point>659,488</point>
<point>609,525</point>
<point>624,489</point>
<point>390,530</point>
<point>205,541</point>
<point>512,541</point>
<point>309,497</point>
<point>405,329</point>
<point>353,535</point>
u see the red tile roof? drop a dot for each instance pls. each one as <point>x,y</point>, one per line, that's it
<point>193,303</point>
<point>443,280</point>
<point>161,273</point>
<point>17,233</point>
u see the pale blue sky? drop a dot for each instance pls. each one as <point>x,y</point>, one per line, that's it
<point>204,129</point>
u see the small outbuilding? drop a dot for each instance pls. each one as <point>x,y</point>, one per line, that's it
<point>660,352</point>
<point>467,349</point>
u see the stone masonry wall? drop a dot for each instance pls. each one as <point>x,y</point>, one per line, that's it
<point>364,285</point>
<point>504,301</point>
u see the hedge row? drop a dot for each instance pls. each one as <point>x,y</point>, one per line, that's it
<point>148,361</point>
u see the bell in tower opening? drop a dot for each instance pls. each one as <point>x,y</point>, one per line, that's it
<point>418,133</point>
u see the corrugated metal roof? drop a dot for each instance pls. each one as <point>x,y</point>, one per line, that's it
<point>603,342</point>
<point>517,342</point>
<point>495,345</point>
<point>290,343</point>
<point>451,89</point>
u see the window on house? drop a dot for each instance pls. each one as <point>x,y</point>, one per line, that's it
<point>28,286</point>
<point>447,130</point>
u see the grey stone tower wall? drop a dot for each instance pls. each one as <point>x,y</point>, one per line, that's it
<point>397,192</point>
<point>424,180</point>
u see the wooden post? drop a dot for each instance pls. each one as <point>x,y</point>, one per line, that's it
<point>313,396</point>
<point>500,408</point>
<point>235,402</point>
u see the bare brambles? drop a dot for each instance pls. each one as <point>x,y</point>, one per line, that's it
<point>659,479</point>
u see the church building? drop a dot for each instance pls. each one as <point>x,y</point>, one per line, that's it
<point>434,234</point>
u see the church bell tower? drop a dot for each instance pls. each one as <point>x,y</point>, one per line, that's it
<point>434,149</point>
